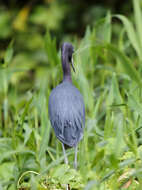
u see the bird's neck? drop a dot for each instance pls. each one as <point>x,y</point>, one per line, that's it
<point>66,69</point>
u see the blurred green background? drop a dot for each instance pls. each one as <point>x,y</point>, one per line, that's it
<point>107,38</point>
<point>27,22</point>
<point>20,19</point>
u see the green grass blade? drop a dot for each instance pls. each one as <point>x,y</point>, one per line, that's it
<point>138,19</point>
<point>8,54</point>
<point>126,64</point>
<point>131,34</point>
<point>107,28</point>
<point>50,48</point>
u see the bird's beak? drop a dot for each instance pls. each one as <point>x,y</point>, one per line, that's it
<point>72,64</point>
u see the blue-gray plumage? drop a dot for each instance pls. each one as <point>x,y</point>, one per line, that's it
<point>67,115</point>
<point>66,105</point>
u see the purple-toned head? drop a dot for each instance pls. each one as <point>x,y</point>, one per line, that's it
<point>67,51</point>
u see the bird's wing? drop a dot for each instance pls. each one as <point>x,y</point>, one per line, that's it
<point>67,115</point>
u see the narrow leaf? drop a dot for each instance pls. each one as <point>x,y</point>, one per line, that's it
<point>126,64</point>
<point>138,19</point>
<point>8,54</point>
<point>131,34</point>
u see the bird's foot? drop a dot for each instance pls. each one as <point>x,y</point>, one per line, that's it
<point>68,187</point>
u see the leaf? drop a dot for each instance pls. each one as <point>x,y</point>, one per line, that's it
<point>114,96</point>
<point>116,92</point>
<point>126,64</point>
<point>138,19</point>
<point>26,109</point>
<point>108,125</point>
<point>60,171</point>
<point>5,24</point>
<point>8,54</point>
<point>9,154</point>
<point>119,144</point>
<point>45,140</point>
<point>27,134</point>
<point>21,19</point>
<point>6,170</point>
<point>45,124</point>
<point>134,104</point>
<point>50,47</point>
<point>65,175</point>
<point>107,28</point>
<point>132,35</point>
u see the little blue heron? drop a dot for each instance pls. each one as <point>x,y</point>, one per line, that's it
<point>66,106</point>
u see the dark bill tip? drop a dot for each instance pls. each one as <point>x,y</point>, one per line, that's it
<point>72,65</point>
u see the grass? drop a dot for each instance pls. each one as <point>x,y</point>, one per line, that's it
<point>109,69</point>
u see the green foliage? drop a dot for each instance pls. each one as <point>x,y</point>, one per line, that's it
<point>108,74</point>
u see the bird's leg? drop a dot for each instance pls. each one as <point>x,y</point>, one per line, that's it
<point>65,156</point>
<point>66,161</point>
<point>75,158</point>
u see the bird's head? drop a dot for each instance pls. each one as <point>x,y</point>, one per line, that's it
<point>67,51</point>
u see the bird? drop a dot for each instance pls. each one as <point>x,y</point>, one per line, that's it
<point>66,106</point>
